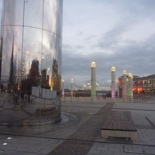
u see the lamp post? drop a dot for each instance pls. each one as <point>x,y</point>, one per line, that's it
<point>113,83</point>
<point>72,88</point>
<point>93,81</point>
<point>88,86</point>
<point>84,87</point>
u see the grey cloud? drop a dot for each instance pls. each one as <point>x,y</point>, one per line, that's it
<point>67,47</point>
<point>90,37</point>
<point>79,47</point>
<point>112,37</point>
<point>149,4</point>
<point>135,11</point>
<point>80,33</point>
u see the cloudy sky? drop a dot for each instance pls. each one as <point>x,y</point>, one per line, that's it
<point>118,33</point>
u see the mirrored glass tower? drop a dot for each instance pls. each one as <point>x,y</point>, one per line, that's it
<point>31,38</point>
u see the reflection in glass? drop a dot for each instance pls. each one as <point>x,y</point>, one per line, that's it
<point>31,54</point>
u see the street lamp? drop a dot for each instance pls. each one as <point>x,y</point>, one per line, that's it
<point>71,88</point>
<point>84,86</point>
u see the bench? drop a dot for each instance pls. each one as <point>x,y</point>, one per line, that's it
<point>119,124</point>
<point>45,111</point>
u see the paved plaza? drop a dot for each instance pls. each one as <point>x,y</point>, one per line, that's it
<point>78,133</point>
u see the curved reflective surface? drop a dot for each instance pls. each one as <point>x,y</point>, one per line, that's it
<point>31,56</point>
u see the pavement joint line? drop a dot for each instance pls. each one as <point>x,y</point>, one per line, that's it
<point>24,110</point>
<point>112,108</point>
<point>133,109</point>
<point>80,106</point>
<point>150,122</point>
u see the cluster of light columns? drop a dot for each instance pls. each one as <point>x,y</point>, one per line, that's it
<point>127,86</point>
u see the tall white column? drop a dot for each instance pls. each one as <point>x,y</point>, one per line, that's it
<point>118,86</point>
<point>93,81</point>
<point>62,87</point>
<point>130,87</point>
<point>113,82</point>
<point>72,89</point>
<point>124,93</point>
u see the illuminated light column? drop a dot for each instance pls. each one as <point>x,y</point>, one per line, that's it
<point>62,87</point>
<point>93,81</point>
<point>130,87</point>
<point>127,88</point>
<point>118,85</point>
<point>72,89</point>
<point>113,83</point>
<point>124,85</point>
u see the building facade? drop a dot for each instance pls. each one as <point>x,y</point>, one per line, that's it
<point>141,85</point>
<point>145,84</point>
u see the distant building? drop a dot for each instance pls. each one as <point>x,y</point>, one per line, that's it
<point>141,85</point>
